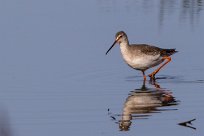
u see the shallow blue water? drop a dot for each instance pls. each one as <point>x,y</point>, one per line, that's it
<point>56,79</point>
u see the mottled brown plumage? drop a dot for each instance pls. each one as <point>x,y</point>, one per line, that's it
<point>152,50</point>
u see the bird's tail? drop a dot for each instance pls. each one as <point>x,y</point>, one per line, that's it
<point>168,52</point>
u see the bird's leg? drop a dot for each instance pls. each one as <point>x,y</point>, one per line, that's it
<point>152,79</point>
<point>152,75</point>
<point>143,73</point>
<point>153,82</point>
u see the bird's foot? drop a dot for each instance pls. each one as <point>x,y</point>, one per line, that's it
<point>152,76</point>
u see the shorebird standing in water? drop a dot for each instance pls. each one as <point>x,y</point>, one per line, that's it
<point>142,56</point>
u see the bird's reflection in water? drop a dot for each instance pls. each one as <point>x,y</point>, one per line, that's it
<point>143,102</point>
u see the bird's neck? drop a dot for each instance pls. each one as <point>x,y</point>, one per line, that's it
<point>124,46</point>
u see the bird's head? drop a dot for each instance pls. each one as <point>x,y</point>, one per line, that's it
<point>119,37</point>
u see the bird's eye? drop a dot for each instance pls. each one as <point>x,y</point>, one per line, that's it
<point>119,36</point>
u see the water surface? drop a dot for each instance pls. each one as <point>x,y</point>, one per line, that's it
<point>56,79</point>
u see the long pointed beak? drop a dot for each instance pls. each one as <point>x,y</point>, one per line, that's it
<point>111,47</point>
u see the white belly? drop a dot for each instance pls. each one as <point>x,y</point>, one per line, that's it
<point>142,62</point>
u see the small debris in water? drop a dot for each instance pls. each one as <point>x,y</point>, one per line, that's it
<point>188,123</point>
<point>113,117</point>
